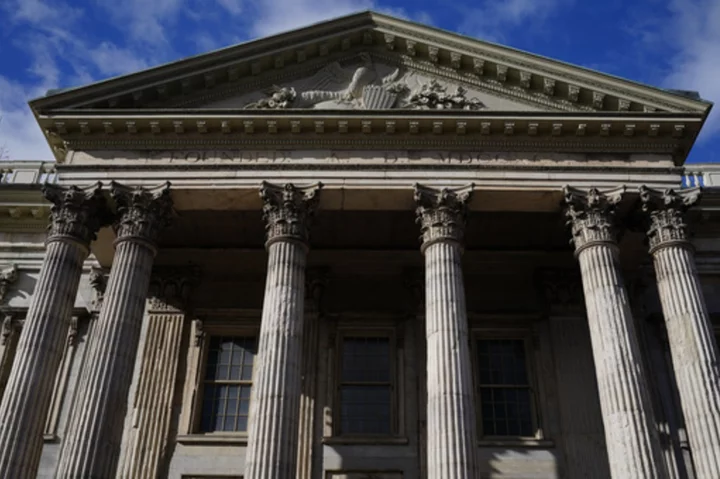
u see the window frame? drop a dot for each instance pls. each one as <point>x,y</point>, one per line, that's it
<point>526,336</point>
<point>359,325</point>
<point>229,324</point>
<point>204,381</point>
<point>375,332</point>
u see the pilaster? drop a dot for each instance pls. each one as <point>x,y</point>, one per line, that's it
<point>308,435</point>
<point>631,436</point>
<point>152,404</point>
<point>689,331</point>
<point>275,404</point>
<point>92,443</point>
<point>76,216</point>
<point>451,437</point>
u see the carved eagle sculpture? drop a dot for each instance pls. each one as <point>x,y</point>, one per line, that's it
<point>361,91</point>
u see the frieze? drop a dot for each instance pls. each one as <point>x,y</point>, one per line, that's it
<point>317,157</point>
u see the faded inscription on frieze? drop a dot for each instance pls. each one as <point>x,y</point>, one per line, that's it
<point>316,157</point>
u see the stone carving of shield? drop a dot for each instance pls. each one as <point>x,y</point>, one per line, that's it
<point>376,97</point>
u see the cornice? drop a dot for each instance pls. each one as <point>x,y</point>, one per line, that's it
<point>294,129</point>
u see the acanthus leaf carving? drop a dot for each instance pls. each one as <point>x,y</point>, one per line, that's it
<point>287,210</point>
<point>665,215</point>
<point>170,288</point>
<point>76,213</point>
<point>142,213</point>
<point>8,276</point>
<point>8,328</point>
<point>98,279</point>
<point>591,215</point>
<point>441,213</point>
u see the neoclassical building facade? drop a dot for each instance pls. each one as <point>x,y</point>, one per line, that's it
<point>365,249</point>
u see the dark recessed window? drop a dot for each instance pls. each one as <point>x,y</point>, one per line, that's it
<point>227,384</point>
<point>366,390</point>
<point>504,390</point>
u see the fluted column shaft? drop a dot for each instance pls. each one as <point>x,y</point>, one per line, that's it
<point>451,417</point>
<point>631,436</point>
<point>75,218</point>
<point>91,446</point>
<point>275,402</point>
<point>689,331</point>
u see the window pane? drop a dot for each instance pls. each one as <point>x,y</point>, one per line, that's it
<point>504,389</point>
<point>366,359</point>
<point>365,409</point>
<point>225,405</point>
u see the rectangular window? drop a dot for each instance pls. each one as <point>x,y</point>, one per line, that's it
<point>504,390</point>
<point>366,385</point>
<point>227,383</point>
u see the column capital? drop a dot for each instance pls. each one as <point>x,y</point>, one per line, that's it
<point>591,215</point>
<point>142,212</point>
<point>8,276</point>
<point>170,288</point>
<point>665,214</point>
<point>287,210</point>
<point>76,213</point>
<point>441,213</point>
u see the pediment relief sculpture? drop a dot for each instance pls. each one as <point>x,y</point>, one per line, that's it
<point>367,87</point>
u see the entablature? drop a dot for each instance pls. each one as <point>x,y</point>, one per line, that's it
<point>297,129</point>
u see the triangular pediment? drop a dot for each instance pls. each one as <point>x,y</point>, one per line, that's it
<point>324,57</point>
<point>369,81</point>
<point>391,77</point>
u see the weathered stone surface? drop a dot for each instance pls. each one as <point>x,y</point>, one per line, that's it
<point>451,436</point>
<point>91,446</point>
<point>689,331</point>
<point>76,216</point>
<point>275,402</point>
<point>631,436</point>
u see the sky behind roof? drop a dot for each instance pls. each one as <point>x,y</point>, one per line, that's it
<point>47,44</point>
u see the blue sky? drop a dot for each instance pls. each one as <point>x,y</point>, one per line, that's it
<point>59,43</point>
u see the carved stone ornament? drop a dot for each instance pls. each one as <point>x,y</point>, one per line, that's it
<point>287,210</point>
<point>142,213</point>
<point>561,289</point>
<point>664,215</point>
<point>8,276</point>
<point>76,213</point>
<point>434,96</point>
<point>315,284</point>
<point>441,213</point>
<point>8,328</point>
<point>364,87</point>
<point>591,215</point>
<point>170,288</point>
<point>98,280</point>
<point>199,333</point>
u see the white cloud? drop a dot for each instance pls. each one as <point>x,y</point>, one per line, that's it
<point>492,18</point>
<point>233,7</point>
<point>144,21</point>
<point>694,33</point>
<point>282,15</point>
<point>109,59</point>
<point>19,133</point>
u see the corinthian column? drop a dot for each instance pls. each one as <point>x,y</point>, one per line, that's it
<point>75,218</point>
<point>690,335</point>
<point>451,423</point>
<point>631,438</point>
<point>275,402</point>
<point>92,442</point>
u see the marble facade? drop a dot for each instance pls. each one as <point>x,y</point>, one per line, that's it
<point>554,215</point>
